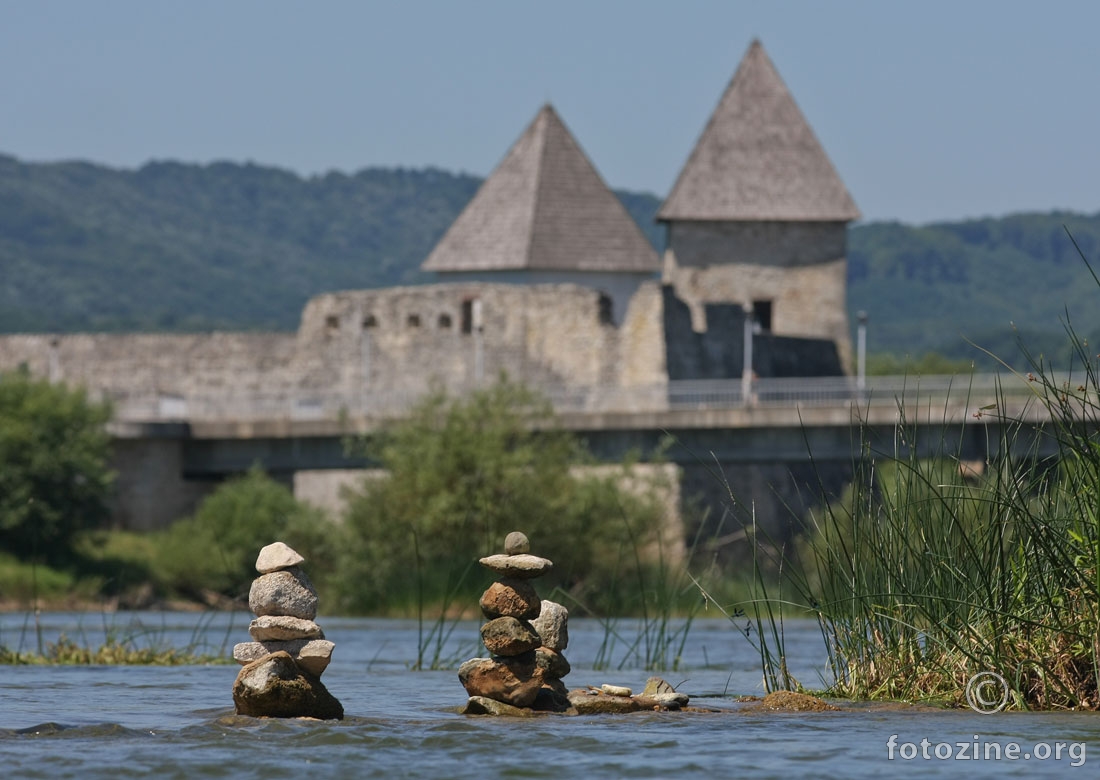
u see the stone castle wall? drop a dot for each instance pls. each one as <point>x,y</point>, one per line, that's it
<point>373,343</point>
<point>800,267</point>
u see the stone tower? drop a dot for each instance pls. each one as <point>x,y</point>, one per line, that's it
<point>758,218</point>
<point>544,216</point>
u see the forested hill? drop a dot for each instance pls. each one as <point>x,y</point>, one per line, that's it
<point>172,246</point>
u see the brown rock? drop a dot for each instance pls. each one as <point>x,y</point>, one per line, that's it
<point>663,701</point>
<point>509,636</point>
<point>274,687</point>
<point>509,597</point>
<point>285,592</point>
<point>553,664</point>
<point>515,680</point>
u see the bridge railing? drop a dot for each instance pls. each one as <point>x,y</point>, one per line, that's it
<point>696,394</point>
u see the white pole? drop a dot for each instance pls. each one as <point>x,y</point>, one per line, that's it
<point>746,369</point>
<point>861,351</point>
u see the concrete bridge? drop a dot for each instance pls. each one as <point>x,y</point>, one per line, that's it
<point>769,432</point>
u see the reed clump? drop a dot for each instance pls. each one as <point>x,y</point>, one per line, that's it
<point>932,568</point>
<point>113,652</point>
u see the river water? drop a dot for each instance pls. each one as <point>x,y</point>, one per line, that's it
<point>178,722</point>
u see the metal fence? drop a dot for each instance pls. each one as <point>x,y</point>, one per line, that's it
<point>701,394</point>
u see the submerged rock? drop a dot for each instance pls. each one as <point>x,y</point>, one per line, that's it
<point>274,687</point>
<point>553,697</point>
<point>789,701</point>
<point>591,702</point>
<point>515,680</point>
<point>481,705</point>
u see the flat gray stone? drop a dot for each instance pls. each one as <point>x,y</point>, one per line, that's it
<point>283,592</point>
<point>277,556</point>
<point>269,627</point>
<point>523,567</point>
<point>313,655</point>
<point>588,702</point>
<point>552,625</point>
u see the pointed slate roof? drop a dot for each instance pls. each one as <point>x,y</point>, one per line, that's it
<point>758,158</point>
<point>544,208</point>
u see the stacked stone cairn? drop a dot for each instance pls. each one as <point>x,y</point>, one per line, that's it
<point>525,635</point>
<point>283,664</point>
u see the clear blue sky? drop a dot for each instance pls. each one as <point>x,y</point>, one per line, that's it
<point>929,109</point>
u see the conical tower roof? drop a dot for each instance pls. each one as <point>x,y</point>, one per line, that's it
<point>758,158</point>
<point>544,208</point>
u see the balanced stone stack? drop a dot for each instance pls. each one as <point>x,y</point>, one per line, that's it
<point>283,664</point>
<point>524,634</point>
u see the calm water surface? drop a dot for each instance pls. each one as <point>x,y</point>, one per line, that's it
<point>178,722</point>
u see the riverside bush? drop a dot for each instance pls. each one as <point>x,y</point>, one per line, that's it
<point>54,479</point>
<point>215,549</point>
<point>462,473</point>
<point>932,571</point>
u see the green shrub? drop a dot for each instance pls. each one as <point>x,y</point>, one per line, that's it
<point>464,473</point>
<point>54,479</point>
<point>215,549</point>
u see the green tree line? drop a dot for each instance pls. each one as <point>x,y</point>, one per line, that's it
<point>179,247</point>
<point>460,475</point>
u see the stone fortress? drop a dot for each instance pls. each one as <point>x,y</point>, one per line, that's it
<point>544,276</point>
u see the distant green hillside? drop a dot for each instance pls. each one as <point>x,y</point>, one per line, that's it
<point>940,286</point>
<point>187,247</point>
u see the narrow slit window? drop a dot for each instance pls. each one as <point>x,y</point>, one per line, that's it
<point>604,309</point>
<point>762,314</point>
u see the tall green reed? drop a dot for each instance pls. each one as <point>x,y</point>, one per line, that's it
<point>932,569</point>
